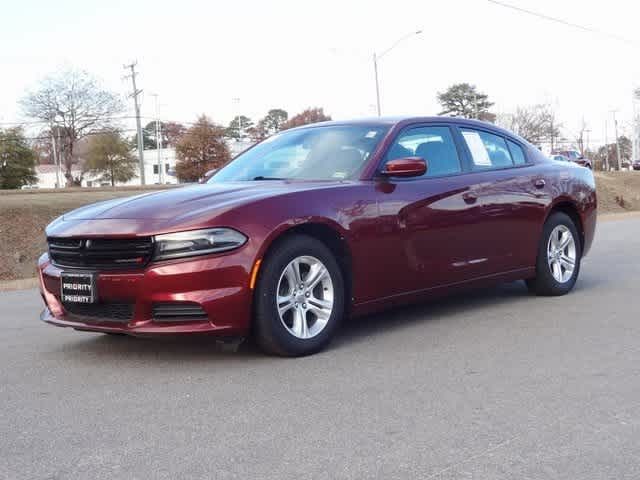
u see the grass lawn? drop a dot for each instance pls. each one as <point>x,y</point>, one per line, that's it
<point>25,214</point>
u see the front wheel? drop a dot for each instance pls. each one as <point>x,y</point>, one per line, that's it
<point>559,255</point>
<point>299,298</point>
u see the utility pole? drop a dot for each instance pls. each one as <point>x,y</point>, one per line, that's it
<point>158,139</point>
<point>606,146</point>
<point>135,94</point>
<point>615,126</point>
<point>636,125</point>
<point>587,132</point>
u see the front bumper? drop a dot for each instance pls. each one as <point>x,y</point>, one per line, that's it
<point>218,284</point>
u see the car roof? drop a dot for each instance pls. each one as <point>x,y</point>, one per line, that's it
<point>408,120</point>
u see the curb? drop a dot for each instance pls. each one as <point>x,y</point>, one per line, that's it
<point>20,284</point>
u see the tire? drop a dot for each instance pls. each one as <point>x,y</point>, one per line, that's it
<point>547,281</point>
<point>306,324</point>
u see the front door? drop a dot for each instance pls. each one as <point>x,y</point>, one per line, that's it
<point>430,225</point>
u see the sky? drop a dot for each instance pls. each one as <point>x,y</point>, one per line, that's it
<point>198,56</point>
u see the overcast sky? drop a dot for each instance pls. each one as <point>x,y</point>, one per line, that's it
<point>200,55</point>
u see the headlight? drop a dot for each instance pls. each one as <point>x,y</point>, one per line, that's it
<point>197,242</point>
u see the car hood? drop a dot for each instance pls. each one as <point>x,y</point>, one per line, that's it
<point>196,200</point>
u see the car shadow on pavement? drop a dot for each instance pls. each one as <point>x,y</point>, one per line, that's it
<point>430,310</point>
<point>186,348</point>
<point>199,348</point>
<point>444,308</point>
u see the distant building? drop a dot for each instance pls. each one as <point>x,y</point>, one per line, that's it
<point>48,178</point>
<point>47,173</point>
<point>156,172</point>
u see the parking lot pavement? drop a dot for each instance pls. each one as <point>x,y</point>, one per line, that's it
<point>489,385</point>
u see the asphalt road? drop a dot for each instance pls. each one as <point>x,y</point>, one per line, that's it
<point>490,385</point>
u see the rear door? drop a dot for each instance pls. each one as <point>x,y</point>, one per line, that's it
<point>507,194</point>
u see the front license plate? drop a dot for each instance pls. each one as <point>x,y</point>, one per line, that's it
<point>78,287</point>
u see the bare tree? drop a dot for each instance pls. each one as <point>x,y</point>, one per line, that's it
<point>580,137</point>
<point>74,103</point>
<point>535,123</point>
<point>554,128</point>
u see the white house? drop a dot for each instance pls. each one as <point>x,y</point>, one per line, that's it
<point>159,168</point>
<point>49,178</point>
<point>166,164</point>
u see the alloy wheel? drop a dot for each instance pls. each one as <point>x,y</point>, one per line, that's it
<point>561,253</point>
<point>305,297</point>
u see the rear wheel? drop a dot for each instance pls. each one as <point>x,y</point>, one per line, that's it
<point>299,298</point>
<point>559,255</point>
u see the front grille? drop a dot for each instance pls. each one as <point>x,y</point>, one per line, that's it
<point>177,311</point>
<point>101,312</point>
<point>101,253</point>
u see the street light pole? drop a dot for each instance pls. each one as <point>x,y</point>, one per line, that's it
<point>587,132</point>
<point>375,70</point>
<point>377,57</point>
<point>615,126</point>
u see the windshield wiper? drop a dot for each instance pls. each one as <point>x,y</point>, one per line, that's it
<point>261,177</point>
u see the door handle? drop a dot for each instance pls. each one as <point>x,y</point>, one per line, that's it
<point>469,198</point>
<point>540,183</point>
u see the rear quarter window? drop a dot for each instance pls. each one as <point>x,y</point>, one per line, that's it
<point>517,154</point>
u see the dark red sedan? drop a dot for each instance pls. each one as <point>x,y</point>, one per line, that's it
<point>319,223</point>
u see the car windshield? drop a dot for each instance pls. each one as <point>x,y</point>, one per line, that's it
<point>316,153</point>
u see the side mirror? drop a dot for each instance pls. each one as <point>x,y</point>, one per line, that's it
<point>405,167</point>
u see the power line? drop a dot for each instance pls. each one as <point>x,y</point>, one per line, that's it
<point>102,132</point>
<point>123,117</point>
<point>47,122</point>
<point>584,28</point>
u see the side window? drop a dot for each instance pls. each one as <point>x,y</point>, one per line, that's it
<point>517,153</point>
<point>487,150</point>
<point>434,144</point>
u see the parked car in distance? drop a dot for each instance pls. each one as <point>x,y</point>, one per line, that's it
<point>636,165</point>
<point>574,156</point>
<point>320,223</point>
